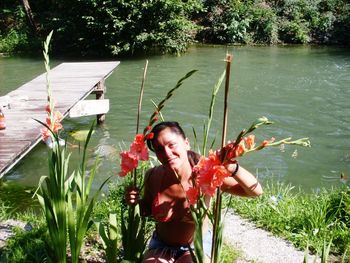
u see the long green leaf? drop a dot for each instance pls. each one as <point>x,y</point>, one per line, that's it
<point>211,110</point>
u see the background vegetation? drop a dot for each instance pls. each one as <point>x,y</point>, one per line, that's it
<point>116,27</point>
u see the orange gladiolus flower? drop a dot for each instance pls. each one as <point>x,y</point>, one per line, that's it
<point>128,163</point>
<point>45,134</point>
<point>192,195</point>
<point>55,126</point>
<point>266,142</point>
<point>250,141</point>
<point>239,149</point>
<point>234,150</point>
<point>139,148</point>
<point>210,173</point>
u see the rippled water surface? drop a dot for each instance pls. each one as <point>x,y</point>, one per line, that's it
<point>304,90</point>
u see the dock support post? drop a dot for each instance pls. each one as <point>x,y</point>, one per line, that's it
<point>100,95</point>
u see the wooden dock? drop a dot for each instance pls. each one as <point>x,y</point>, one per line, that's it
<point>70,84</point>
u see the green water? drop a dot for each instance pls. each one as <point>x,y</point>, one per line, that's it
<point>304,90</point>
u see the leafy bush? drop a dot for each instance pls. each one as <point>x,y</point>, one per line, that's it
<point>13,29</point>
<point>295,32</point>
<point>264,26</point>
<point>224,22</point>
<point>118,27</point>
<point>341,30</point>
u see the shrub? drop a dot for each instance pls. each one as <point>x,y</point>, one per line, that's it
<point>225,22</point>
<point>295,32</point>
<point>97,27</point>
<point>264,26</point>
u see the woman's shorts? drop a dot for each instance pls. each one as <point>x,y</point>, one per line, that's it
<point>177,251</point>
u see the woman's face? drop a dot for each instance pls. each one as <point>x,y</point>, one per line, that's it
<point>171,149</point>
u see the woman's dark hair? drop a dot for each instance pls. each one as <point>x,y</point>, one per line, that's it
<point>172,125</point>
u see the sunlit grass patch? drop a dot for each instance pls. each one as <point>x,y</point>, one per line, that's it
<point>304,219</point>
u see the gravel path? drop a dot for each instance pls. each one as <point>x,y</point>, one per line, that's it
<point>258,245</point>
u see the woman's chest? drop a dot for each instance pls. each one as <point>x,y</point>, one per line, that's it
<point>170,204</point>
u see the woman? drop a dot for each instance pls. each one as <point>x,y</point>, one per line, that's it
<point>164,196</point>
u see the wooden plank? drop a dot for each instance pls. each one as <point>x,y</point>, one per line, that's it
<point>70,83</point>
<point>89,107</point>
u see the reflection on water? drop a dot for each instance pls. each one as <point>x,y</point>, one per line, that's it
<point>304,90</point>
<point>15,197</point>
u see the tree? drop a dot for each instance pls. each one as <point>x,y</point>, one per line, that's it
<point>30,16</point>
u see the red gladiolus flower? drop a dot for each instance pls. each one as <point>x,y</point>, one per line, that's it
<point>129,162</point>
<point>192,195</point>
<point>139,148</point>
<point>150,136</point>
<point>210,173</point>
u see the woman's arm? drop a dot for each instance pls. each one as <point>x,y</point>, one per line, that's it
<point>132,196</point>
<point>242,183</point>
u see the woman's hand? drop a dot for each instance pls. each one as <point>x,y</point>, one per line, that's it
<point>132,195</point>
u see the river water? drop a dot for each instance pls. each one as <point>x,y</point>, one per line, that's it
<point>305,91</point>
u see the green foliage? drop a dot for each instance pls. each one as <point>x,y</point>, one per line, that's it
<point>134,238</point>
<point>114,203</point>
<point>229,254</point>
<point>79,203</point>
<point>341,28</point>
<point>109,234</point>
<point>106,27</point>
<point>13,29</point>
<point>52,198</point>
<point>294,32</point>
<point>290,21</point>
<point>118,27</point>
<point>264,24</point>
<point>304,219</point>
<point>226,22</point>
<point>26,246</point>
